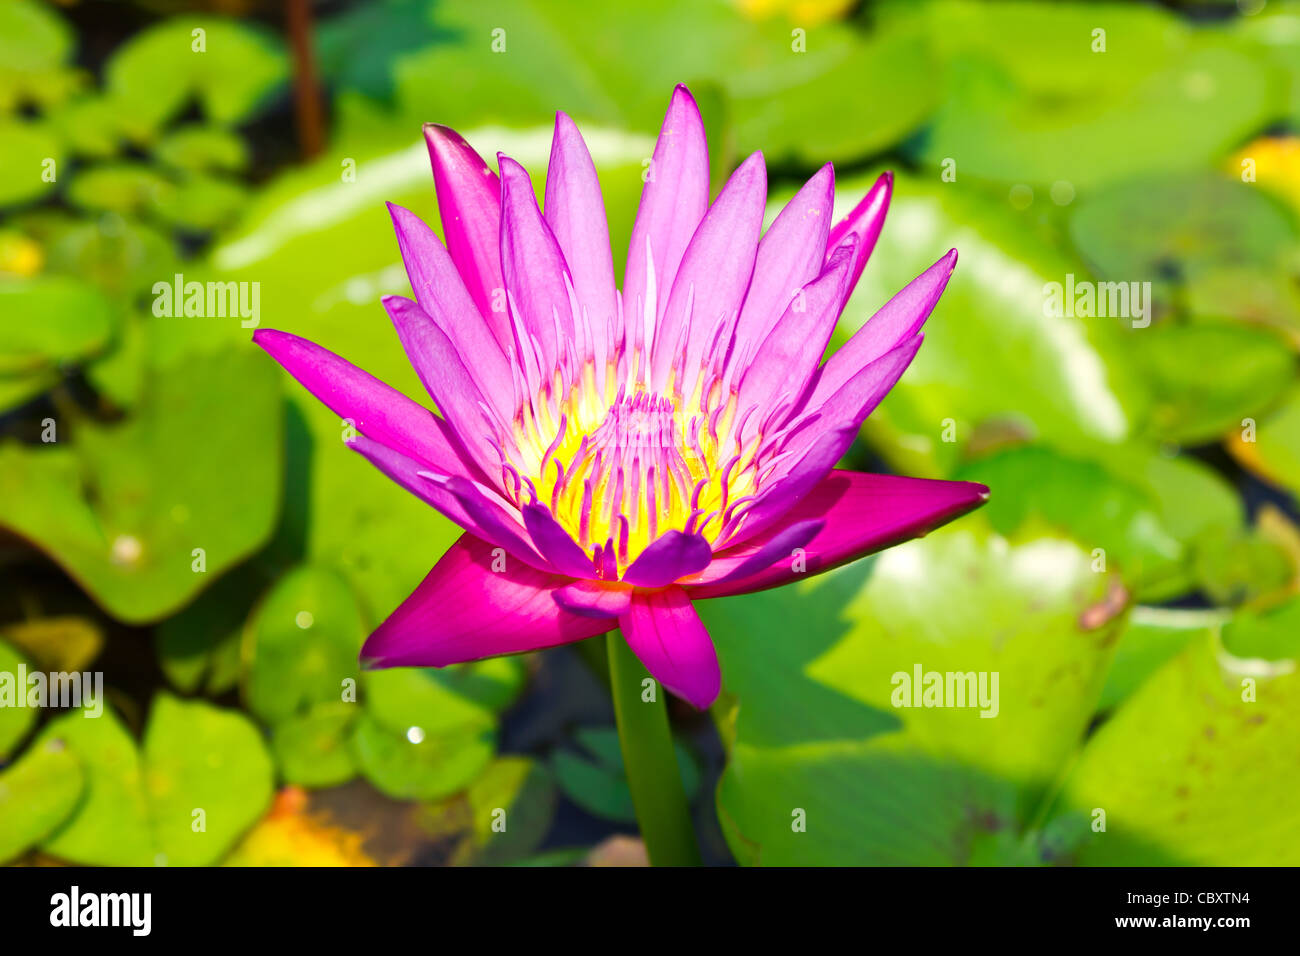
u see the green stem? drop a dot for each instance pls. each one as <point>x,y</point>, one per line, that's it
<point>662,810</point>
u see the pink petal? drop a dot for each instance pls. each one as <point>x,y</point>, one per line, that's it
<point>449,382</point>
<point>442,296</point>
<point>865,221</point>
<point>861,514</point>
<point>494,520</point>
<point>757,554</point>
<point>469,203</point>
<point>673,201</point>
<point>900,319</point>
<point>790,255</point>
<point>714,274</point>
<point>668,637</point>
<point>593,599</point>
<point>534,267</point>
<point>377,410</point>
<point>474,605</point>
<point>789,356</point>
<point>821,435</point>
<point>858,397</point>
<point>826,447</point>
<point>556,544</point>
<point>668,558</point>
<point>575,211</point>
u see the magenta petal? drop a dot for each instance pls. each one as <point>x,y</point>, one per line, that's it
<point>410,473</point>
<point>854,401</point>
<point>668,637</point>
<point>865,221</point>
<point>593,600</point>
<point>759,553</point>
<point>557,545</point>
<point>443,372</point>
<point>471,606</point>
<point>900,319</point>
<point>493,519</point>
<point>534,267</point>
<point>376,409</point>
<point>860,514</point>
<point>667,558</point>
<point>790,255</point>
<point>813,464</point>
<point>710,285</point>
<point>787,359</point>
<point>575,211</point>
<point>442,296</point>
<point>469,202</point>
<point>673,201</point>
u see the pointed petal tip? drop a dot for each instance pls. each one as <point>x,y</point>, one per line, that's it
<point>438,132</point>
<point>682,92</point>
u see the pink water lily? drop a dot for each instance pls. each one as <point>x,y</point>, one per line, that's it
<point>613,456</point>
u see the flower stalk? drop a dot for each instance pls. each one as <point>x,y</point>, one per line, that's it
<point>662,809</point>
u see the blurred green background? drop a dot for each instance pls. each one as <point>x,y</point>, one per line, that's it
<point>179,516</point>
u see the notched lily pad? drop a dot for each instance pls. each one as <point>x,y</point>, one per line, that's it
<point>144,514</point>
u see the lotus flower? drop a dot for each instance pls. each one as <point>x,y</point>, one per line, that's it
<point>614,456</point>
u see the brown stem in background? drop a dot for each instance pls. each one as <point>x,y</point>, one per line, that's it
<point>308,116</point>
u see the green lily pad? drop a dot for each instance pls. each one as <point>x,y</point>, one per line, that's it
<point>123,188</point>
<point>30,147</point>
<point>125,508</point>
<point>301,644</point>
<point>1274,451</point>
<point>201,148</point>
<point>822,115</point>
<point>36,795</point>
<point>795,96</point>
<point>418,766</point>
<point>62,320</point>
<point>1068,380</point>
<point>1209,238</point>
<point>596,781</point>
<point>1089,502</point>
<point>1151,636</point>
<point>1190,773</point>
<point>32,37</point>
<point>423,698</point>
<point>825,769</point>
<point>193,751</point>
<point>201,202</point>
<point>1029,101</point>
<point>1241,566</point>
<point>111,824</point>
<point>314,749</point>
<point>89,125</point>
<point>1252,368</point>
<point>238,67</point>
<point>1272,634</point>
<point>140,805</point>
<point>14,721</point>
<point>119,255</point>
